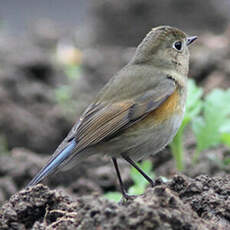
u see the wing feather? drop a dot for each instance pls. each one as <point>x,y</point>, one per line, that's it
<point>102,120</point>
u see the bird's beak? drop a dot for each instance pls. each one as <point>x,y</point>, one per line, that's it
<point>190,40</point>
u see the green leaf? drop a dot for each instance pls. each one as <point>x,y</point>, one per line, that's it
<point>113,196</point>
<point>226,161</point>
<point>193,102</point>
<point>225,139</point>
<point>225,128</point>
<point>137,178</point>
<point>216,113</point>
<point>147,166</point>
<point>140,182</point>
<point>136,189</point>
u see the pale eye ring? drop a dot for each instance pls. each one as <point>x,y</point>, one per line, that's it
<point>178,45</point>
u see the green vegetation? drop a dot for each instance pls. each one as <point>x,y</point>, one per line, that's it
<point>63,94</point>
<point>209,119</point>
<point>213,128</point>
<point>139,182</point>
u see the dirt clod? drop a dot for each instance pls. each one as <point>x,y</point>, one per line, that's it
<point>182,203</point>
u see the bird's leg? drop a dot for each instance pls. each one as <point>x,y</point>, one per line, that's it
<point>123,191</point>
<point>127,158</point>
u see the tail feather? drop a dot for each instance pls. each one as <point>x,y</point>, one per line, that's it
<point>54,163</point>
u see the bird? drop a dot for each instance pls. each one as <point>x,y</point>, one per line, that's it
<point>137,113</point>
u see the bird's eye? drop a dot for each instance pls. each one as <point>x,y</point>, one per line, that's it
<point>178,45</point>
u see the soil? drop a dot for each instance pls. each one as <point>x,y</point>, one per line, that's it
<point>182,203</point>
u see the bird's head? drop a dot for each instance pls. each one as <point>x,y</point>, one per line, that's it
<point>165,47</point>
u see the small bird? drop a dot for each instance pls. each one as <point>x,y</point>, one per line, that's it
<point>137,113</point>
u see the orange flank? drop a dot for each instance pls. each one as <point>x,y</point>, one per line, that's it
<point>166,109</point>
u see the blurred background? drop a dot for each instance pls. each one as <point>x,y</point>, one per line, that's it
<point>56,55</point>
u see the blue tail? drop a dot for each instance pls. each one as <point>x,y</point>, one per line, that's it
<point>54,163</point>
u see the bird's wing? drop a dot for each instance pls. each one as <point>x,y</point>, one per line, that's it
<point>102,120</point>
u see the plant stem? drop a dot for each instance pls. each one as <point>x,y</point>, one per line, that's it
<point>177,151</point>
<point>195,156</point>
<point>177,146</point>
